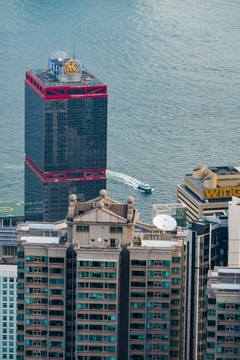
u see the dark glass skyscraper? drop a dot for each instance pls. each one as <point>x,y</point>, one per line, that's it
<point>65,137</point>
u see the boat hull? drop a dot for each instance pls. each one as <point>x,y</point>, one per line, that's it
<point>145,189</point>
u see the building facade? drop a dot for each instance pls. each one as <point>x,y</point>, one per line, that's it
<point>101,285</point>
<point>41,313</point>
<point>65,137</point>
<point>223,329</point>
<point>8,311</point>
<point>207,246</point>
<point>69,283</point>
<point>207,190</point>
<point>101,230</point>
<point>223,341</point>
<point>156,296</point>
<point>8,245</point>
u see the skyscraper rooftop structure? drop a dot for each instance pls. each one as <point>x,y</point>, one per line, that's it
<point>65,137</point>
<point>207,190</point>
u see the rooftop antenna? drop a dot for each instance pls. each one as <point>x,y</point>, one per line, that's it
<point>164,222</point>
<point>74,53</point>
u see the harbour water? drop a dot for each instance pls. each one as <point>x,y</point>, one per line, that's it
<point>172,70</point>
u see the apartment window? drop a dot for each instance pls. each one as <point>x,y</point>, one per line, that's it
<point>211,323</point>
<point>210,356</point>
<point>175,301</point>
<point>96,264</point>
<point>138,273</point>
<point>81,228</point>
<point>211,312</point>
<point>174,354</point>
<point>165,273</point>
<point>138,347</point>
<point>212,301</point>
<point>138,262</point>
<point>29,258</point>
<point>137,305</point>
<point>138,294</point>
<point>56,281</point>
<point>56,270</point>
<point>115,229</point>
<point>96,274</point>
<point>56,260</point>
<point>110,264</point>
<point>176,280</point>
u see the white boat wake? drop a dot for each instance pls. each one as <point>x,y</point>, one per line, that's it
<point>123,178</point>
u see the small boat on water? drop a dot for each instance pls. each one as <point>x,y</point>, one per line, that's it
<point>145,188</point>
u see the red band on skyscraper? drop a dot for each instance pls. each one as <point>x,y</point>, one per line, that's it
<point>67,175</point>
<point>66,92</point>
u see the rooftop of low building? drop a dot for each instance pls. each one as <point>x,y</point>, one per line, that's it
<point>11,209</point>
<point>125,211</point>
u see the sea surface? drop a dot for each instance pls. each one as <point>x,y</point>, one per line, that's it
<point>172,70</point>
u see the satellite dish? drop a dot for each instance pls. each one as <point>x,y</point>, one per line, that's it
<point>165,222</point>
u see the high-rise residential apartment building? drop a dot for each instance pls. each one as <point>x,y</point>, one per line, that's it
<point>100,285</point>
<point>101,230</point>
<point>41,312</point>
<point>207,190</point>
<point>207,246</point>
<point>223,330</point>
<point>65,137</point>
<point>69,291</point>
<point>223,341</point>
<point>156,296</point>
<point>8,311</point>
<point>8,244</point>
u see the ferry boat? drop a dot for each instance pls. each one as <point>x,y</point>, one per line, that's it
<point>145,188</point>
